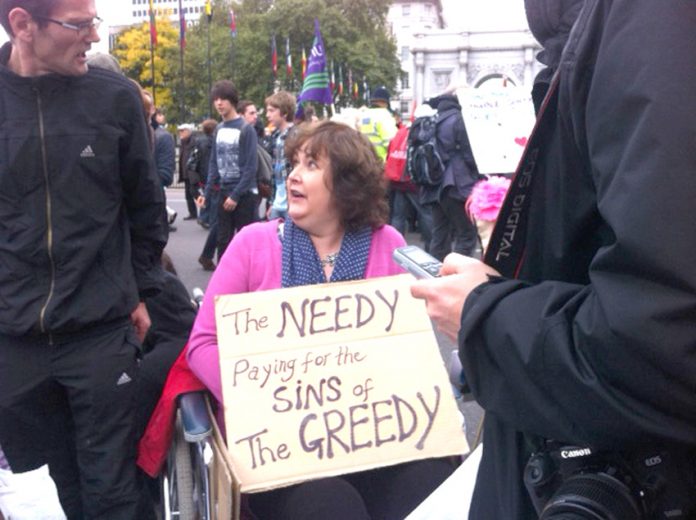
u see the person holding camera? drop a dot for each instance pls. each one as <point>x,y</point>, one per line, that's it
<point>577,334</point>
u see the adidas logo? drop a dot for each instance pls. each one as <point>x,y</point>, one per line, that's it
<point>124,379</point>
<point>87,152</point>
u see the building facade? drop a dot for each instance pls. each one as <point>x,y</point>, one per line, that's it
<point>439,54</point>
<point>140,9</point>
<point>406,19</point>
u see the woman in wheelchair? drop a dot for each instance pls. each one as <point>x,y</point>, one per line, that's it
<point>335,231</point>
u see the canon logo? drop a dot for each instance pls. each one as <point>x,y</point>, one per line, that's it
<point>571,454</point>
<point>653,461</point>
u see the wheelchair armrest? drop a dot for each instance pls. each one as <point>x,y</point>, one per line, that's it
<point>194,416</point>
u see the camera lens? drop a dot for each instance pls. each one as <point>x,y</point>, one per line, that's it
<point>592,496</point>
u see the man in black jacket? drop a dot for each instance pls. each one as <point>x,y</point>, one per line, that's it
<point>82,219</point>
<point>446,200</point>
<point>584,333</point>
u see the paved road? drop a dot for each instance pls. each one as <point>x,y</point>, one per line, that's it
<point>186,243</point>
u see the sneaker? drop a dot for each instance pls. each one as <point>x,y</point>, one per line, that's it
<point>207,263</point>
<point>172,217</point>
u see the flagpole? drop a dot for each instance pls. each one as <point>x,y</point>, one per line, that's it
<point>182,40</point>
<point>152,73</point>
<point>153,41</point>
<point>209,14</point>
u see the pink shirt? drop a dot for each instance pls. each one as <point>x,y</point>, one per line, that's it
<point>251,263</point>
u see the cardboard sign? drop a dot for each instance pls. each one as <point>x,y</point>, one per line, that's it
<point>498,123</point>
<point>330,379</point>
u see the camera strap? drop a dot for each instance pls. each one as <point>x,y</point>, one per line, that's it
<point>506,250</point>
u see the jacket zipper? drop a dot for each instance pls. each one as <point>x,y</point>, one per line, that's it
<point>49,220</point>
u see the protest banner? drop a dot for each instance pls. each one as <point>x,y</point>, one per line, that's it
<point>498,123</point>
<point>330,379</point>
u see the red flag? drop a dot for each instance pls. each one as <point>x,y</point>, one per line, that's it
<point>274,57</point>
<point>153,26</point>
<point>233,24</point>
<point>304,64</point>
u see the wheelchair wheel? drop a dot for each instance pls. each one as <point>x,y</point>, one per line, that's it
<point>177,480</point>
<point>183,497</point>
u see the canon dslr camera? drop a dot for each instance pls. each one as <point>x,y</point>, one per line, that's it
<point>570,482</point>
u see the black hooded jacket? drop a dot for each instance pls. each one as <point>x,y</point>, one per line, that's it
<point>80,205</point>
<point>595,343</point>
<point>461,172</point>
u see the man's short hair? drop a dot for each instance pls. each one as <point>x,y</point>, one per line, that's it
<point>225,89</point>
<point>36,8</point>
<point>243,105</point>
<point>209,126</point>
<point>285,102</point>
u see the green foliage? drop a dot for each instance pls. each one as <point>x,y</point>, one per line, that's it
<point>354,32</point>
<point>132,50</point>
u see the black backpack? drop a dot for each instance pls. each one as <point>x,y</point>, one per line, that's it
<point>424,163</point>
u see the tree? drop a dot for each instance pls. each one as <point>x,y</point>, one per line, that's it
<point>132,50</point>
<point>354,32</point>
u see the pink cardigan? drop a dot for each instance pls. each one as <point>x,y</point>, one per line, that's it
<point>252,262</point>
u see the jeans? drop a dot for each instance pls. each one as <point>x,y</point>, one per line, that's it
<point>405,204</point>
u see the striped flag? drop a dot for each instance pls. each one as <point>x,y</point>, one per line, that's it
<point>233,24</point>
<point>288,58</point>
<point>350,82</point>
<point>316,83</point>
<point>340,80</point>
<point>333,78</point>
<point>274,57</point>
<point>153,26</point>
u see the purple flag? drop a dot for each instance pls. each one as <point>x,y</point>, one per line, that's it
<point>316,82</point>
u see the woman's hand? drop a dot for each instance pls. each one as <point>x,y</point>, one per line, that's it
<point>445,296</point>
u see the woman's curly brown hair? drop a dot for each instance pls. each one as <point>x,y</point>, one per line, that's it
<point>358,185</point>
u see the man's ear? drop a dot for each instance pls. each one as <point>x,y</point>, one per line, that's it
<point>21,23</point>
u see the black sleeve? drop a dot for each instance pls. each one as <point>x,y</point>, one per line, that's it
<point>144,201</point>
<point>248,162</point>
<point>613,360</point>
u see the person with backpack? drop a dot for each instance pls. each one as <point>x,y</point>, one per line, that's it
<point>232,166</point>
<point>442,163</point>
<point>405,201</point>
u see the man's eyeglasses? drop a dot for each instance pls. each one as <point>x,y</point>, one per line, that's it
<point>81,28</point>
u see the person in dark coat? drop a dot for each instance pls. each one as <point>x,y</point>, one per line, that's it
<point>585,334</point>
<point>450,222</point>
<point>186,142</point>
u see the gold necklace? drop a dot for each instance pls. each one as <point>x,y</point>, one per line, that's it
<point>329,260</point>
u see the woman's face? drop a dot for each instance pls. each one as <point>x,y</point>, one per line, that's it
<point>310,199</point>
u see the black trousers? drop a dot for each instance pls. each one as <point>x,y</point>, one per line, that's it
<point>190,194</point>
<point>450,222</point>
<point>389,493</point>
<point>69,404</point>
<point>229,222</point>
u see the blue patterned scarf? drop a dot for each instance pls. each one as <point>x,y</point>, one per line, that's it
<point>301,264</point>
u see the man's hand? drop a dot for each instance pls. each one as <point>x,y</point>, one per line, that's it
<point>445,296</point>
<point>141,321</point>
<point>200,201</point>
<point>230,204</point>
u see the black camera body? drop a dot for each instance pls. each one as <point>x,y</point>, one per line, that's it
<point>574,482</point>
